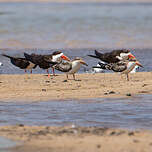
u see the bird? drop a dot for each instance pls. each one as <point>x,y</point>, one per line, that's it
<point>22,63</point>
<point>113,56</point>
<point>98,70</point>
<point>70,67</point>
<point>1,64</point>
<point>125,67</point>
<point>46,61</point>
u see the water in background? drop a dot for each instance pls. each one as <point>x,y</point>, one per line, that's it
<point>131,113</point>
<point>81,25</point>
<point>45,26</point>
<point>143,55</point>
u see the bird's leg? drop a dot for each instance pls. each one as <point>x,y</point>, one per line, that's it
<point>31,71</point>
<point>67,76</point>
<point>121,76</point>
<point>74,76</point>
<point>25,70</point>
<point>127,77</point>
<point>48,73</point>
<point>53,71</point>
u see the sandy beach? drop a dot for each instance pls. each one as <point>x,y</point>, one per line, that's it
<point>77,139</point>
<point>114,26</point>
<point>36,87</point>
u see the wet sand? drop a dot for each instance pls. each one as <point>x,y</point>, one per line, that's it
<point>77,139</point>
<point>38,87</point>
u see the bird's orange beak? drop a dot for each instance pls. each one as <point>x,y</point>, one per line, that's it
<point>130,56</point>
<point>139,64</point>
<point>65,58</point>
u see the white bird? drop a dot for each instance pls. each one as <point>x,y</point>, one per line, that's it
<point>135,69</point>
<point>125,67</point>
<point>70,67</point>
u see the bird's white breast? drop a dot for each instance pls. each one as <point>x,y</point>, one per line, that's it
<point>134,69</point>
<point>123,56</point>
<point>57,57</point>
<point>75,67</point>
<point>130,67</point>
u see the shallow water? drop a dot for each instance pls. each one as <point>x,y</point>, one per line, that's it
<point>131,113</point>
<point>81,25</point>
<point>5,144</point>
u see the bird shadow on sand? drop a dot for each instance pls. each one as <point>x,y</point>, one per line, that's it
<point>70,80</point>
<point>51,76</point>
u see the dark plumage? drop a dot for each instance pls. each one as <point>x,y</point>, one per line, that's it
<point>22,63</point>
<point>113,56</point>
<point>43,61</point>
<point>46,61</point>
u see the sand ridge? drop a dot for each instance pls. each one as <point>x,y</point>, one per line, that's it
<point>77,139</point>
<point>38,87</point>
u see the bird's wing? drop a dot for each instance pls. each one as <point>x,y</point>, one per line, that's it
<point>119,66</point>
<point>20,63</point>
<point>34,58</point>
<point>97,55</point>
<point>116,67</point>
<point>64,66</point>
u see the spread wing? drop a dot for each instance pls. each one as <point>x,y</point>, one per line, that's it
<point>64,66</point>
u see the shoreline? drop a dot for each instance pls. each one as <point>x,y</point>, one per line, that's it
<point>38,87</point>
<point>77,139</point>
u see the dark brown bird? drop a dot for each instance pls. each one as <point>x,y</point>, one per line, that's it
<point>22,63</point>
<point>114,56</point>
<point>46,61</point>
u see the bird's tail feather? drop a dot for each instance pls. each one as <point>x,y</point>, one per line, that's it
<point>10,57</point>
<point>97,55</point>
<point>94,56</point>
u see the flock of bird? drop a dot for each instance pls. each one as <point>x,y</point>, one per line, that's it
<point>122,61</point>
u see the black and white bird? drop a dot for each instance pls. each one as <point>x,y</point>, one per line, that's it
<point>98,70</point>
<point>22,63</point>
<point>70,67</point>
<point>46,61</point>
<point>124,67</point>
<point>114,56</point>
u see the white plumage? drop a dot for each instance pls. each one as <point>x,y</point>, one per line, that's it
<point>1,64</point>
